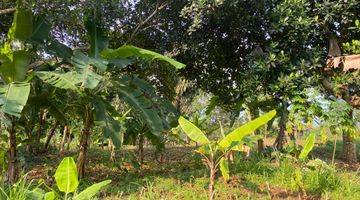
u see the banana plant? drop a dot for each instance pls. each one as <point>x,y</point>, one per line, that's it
<point>214,152</point>
<point>67,181</point>
<point>14,82</point>
<point>89,77</point>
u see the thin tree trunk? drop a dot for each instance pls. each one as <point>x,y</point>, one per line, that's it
<point>62,143</point>
<point>293,134</point>
<point>334,150</point>
<point>141,148</point>
<point>69,138</point>
<point>12,173</point>
<point>281,138</point>
<point>212,182</point>
<point>349,148</point>
<point>254,113</point>
<point>50,135</point>
<point>40,130</point>
<point>29,146</point>
<point>81,161</point>
<point>112,150</point>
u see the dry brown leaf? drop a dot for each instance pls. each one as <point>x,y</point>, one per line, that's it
<point>348,62</point>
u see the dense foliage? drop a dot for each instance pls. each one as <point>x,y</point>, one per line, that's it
<point>76,76</point>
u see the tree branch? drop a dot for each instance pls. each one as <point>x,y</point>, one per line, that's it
<point>157,9</point>
<point>7,11</point>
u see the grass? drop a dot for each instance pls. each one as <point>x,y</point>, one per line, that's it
<point>182,176</point>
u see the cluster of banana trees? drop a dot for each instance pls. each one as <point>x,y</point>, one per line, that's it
<point>45,82</point>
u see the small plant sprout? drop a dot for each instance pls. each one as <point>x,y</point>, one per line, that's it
<point>214,152</point>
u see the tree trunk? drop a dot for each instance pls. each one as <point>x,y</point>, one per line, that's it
<point>29,142</point>
<point>40,130</point>
<point>293,134</point>
<point>69,138</point>
<point>12,173</point>
<point>349,145</point>
<point>81,161</point>
<point>141,148</point>
<point>281,138</point>
<point>349,148</point>
<point>212,182</point>
<point>112,150</point>
<point>50,135</point>
<point>254,113</point>
<point>62,143</point>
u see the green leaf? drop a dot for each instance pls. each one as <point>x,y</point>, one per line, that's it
<point>238,134</point>
<point>205,149</point>
<point>192,131</point>
<point>166,110</point>
<point>21,28</point>
<point>2,158</point>
<point>41,29</point>
<point>35,194</point>
<point>89,79</point>
<point>13,98</point>
<point>60,80</point>
<point>224,169</point>
<point>66,175</point>
<point>132,95</point>
<point>82,61</point>
<point>50,196</point>
<point>213,102</point>
<point>127,51</point>
<point>308,146</point>
<point>14,69</point>
<point>98,39</point>
<point>103,118</point>
<point>91,191</point>
<point>56,48</point>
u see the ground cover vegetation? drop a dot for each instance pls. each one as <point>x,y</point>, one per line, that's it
<point>188,99</point>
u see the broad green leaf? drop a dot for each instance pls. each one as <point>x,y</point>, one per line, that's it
<point>82,61</point>
<point>14,69</point>
<point>41,29</point>
<point>91,191</point>
<point>60,80</point>
<point>323,134</point>
<point>156,141</point>
<point>98,39</point>
<point>127,51</point>
<point>308,146</point>
<point>56,48</point>
<point>89,79</point>
<point>50,196</point>
<point>213,102</point>
<point>13,98</point>
<point>143,105</point>
<point>66,175</point>
<point>120,62</point>
<point>166,110</point>
<point>224,168</point>
<point>2,158</point>
<point>238,134</point>
<point>35,194</point>
<point>192,131</point>
<point>105,120</point>
<point>205,149</point>
<point>21,28</point>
